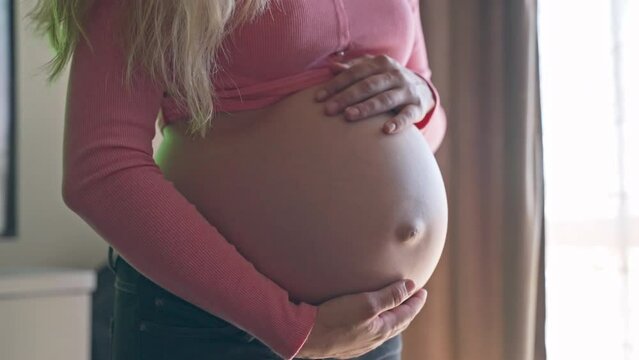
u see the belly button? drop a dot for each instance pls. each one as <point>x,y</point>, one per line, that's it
<point>409,232</point>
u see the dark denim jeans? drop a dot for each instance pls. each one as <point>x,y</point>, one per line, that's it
<point>150,323</point>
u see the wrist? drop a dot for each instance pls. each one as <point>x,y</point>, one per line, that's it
<point>310,312</point>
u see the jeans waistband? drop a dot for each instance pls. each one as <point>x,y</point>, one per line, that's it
<point>129,279</point>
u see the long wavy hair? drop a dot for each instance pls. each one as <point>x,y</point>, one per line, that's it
<point>175,41</point>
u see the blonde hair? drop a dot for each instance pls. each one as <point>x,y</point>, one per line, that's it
<point>175,41</point>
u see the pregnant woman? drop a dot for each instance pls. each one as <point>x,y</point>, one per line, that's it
<point>294,208</point>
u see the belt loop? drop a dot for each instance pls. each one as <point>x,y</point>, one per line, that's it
<point>247,337</point>
<point>110,261</point>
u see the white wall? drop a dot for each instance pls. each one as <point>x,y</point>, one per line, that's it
<point>49,233</point>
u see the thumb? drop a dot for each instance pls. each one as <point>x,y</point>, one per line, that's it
<point>337,67</point>
<point>389,297</point>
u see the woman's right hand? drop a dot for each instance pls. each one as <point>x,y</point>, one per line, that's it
<point>351,325</point>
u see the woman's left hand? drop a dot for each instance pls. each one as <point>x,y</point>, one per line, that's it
<point>371,85</point>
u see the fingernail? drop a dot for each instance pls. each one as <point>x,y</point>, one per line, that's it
<point>390,127</point>
<point>352,112</point>
<point>424,293</point>
<point>321,95</point>
<point>410,285</point>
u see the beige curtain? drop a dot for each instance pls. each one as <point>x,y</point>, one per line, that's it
<point>486,298</point>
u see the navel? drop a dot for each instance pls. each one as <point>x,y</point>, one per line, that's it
<point>410,232</point>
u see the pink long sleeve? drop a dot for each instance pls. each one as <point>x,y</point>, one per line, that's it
<point>112,182</point>
<point>418,63</point>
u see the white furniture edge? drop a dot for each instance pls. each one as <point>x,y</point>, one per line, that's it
<point>35,281</point>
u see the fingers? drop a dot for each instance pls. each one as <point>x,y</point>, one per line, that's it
<point>388,297</point>
<point>379,315</point>
<point>391,322</point>
<point>357,70</point>
<point>380,103</point>
<point>406,117</point>
<point>365,89</point>
<point>338,67</point>
<point>394,321</point>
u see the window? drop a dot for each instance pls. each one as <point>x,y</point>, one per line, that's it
<point>589,68</point>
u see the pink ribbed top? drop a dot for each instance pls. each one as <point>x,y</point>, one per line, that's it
<point>113,183</point>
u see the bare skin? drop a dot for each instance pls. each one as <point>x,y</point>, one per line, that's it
<point>352,325</point>
<point>336,212</point>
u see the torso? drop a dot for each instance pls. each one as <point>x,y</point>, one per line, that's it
<point>321,206</point>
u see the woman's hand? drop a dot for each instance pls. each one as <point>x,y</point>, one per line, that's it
<point>351,325</point>
<point>370,85</point>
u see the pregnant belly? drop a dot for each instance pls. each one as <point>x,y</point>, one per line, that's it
<point>321,206</point>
